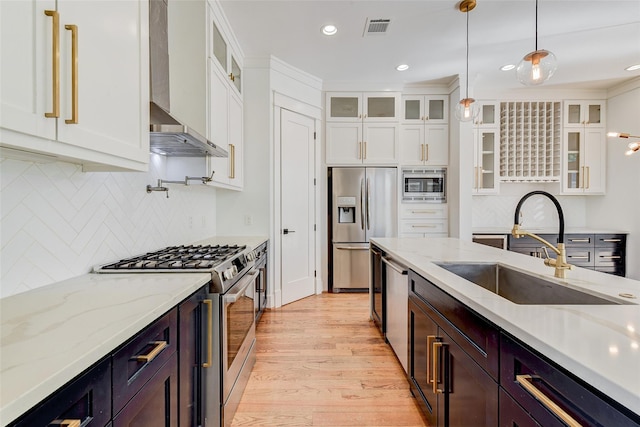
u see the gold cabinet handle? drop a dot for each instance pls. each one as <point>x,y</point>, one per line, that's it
<point>423,211</point>
<point>423,226</point>
<point>526,381</point>
<point>579,240</point>
<point>437,345</point>
<point>582,177</point>
<point>588,177</point>
<point>364,144</point>
<point>422,152</point>
<point>359,149</point>
<point>65,423</point>
<point>426,152</point>
<point>232,77</point>
<point>610,256</point>
<point>55,63</point>
<point>158,347</point>
<point>232,157</point>
<point>74,74</point>
<point>612,240</point>
<point>430,340</point>
<point>578,256</point>
<point>209,361</point>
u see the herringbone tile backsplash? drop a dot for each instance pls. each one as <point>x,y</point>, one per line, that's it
<point>58,222</point>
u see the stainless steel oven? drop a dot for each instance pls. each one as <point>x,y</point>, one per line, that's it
<point>424,185</point>
<point>225,342</point>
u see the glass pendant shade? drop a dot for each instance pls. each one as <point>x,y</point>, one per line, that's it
<point>536,67</point>
<point>467,110</point>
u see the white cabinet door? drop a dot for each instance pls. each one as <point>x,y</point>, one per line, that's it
<point>436,145</point>
<point>489,115</point>
<point>218,122</point>
<point>584,161</point>
<point>344,143</point>
<point>380,143</point>
<point>486,161</point>
<point>236,145</point>
<point>595,159</point>
<point>344,106</point>
<point>112,100</point>
<point>26,68</point>
<point>412,144</point>
<point>584,113</point>
<point>103,119</point>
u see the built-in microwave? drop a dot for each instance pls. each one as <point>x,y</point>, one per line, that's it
<point>424,185</point>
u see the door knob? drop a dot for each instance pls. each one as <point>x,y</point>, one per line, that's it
<point>287,231</point>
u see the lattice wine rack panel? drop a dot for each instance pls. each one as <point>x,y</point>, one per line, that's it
<point>530,141</point>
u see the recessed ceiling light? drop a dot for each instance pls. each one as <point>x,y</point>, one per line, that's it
<point>507,67</point>
<point>329,30</point>
<point>402,67</point>
<point>633,67</point>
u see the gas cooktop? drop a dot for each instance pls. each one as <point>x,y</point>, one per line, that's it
<point>226,263</point>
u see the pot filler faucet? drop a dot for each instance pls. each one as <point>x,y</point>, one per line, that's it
<point>560,263</point>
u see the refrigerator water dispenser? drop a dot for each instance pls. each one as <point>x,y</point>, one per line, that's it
<point>346,209</point>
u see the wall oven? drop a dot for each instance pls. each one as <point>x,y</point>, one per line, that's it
<point>424,185</point>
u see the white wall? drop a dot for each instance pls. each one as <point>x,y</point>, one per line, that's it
<point>58,222</point>
<point>620,207</point>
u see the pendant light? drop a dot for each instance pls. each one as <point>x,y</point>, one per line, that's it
<point>467,109</point>
<point>633,146</point>
<point>538,66</point>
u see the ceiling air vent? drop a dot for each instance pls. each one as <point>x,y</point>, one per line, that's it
<point>375,27</point>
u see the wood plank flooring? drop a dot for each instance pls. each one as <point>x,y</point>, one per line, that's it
<point>322,362</point>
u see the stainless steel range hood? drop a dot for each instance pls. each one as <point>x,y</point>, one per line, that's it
<point>169,136</point>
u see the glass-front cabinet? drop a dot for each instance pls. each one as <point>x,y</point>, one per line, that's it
<point>424,109</point>
<point>225,58</point>
<point>367,106</point>
<point>485,171</point>
<point>584,113</point>
<point>584,161</point>
<point>488,114</point>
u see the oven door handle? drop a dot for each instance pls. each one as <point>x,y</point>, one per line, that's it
<point>238,290</point>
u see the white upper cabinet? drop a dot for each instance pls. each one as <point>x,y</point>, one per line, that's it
<point>485,171</point>
<point>226,59</point>
<point>363,106</point>
<point>425,109</point>
<point>75,81</point>
<point>584,113</point>
<point>424,144</point>
<point>362,128</point>
<point>489,115</point>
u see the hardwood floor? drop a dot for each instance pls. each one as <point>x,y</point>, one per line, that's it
<point>322,362</point>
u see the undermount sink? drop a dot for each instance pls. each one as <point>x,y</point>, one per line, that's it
<point>521,288</point>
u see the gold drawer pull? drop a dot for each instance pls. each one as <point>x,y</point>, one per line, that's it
<point>424,211</point>
<point>526,381</point>
<point>610,256</point>
<point>430,340</point>
<point>580,240</point>
<point>66,423</point>
<point>232,159</point>
<point>209,361</point>
<point>612,240</point>
<point>436,366</point>
<point>146,358</point>
<point>578,256</point>
<point>55,65</point>
<point>423,226</point>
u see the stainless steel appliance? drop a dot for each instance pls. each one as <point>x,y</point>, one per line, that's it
<point>363,205</point>
<point>226,345</point>
<point>424,185</point>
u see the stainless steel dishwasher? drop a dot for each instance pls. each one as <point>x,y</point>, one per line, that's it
<point>397,297</point>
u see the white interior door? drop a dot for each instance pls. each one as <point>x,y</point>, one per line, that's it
<point>297,148</point>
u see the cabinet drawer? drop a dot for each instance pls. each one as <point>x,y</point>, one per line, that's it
<point>544,380</point>
<point>86,399</point>
<point>531,242</point>
<point>424,226</point>
<point>611,240</point>
<point>578,240</point>
<point>422,211</point>
<point>581,257</point>
<point>605,257</point>
<point>157,403</point>
<point>139,359</point>
<point>472,332</point>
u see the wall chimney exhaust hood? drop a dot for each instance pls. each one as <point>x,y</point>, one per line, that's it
<point>169,136</point>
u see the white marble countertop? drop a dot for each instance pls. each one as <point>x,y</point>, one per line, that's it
<point>548,230</point>
<point>51,334</point>
<point>598,343</point>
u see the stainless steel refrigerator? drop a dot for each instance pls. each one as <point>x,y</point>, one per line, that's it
<point>363,205</point>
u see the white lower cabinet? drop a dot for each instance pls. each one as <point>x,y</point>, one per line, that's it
<point>75,81</point>
<point>424,220</point>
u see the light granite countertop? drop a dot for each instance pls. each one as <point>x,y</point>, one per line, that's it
<point>598,343</point>
<point>547,230</point>
<point>51,334</point>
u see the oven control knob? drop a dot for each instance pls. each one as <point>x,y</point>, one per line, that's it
<point>228,273</point>
<point>234,271</point>
<point>251,255</point>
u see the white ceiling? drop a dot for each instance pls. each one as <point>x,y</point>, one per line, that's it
<point>593,40</point>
